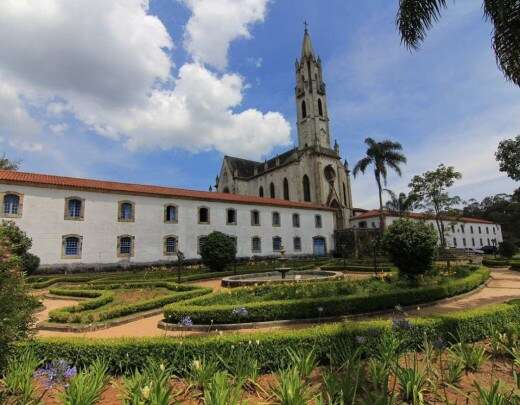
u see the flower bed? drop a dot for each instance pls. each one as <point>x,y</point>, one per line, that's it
<point>98,308</point>
<point>312,300</point>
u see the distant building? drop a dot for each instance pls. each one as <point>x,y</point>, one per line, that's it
<point>460,232</point>
<point>313,171</point>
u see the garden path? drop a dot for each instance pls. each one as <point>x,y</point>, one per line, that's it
<point>503,286</point>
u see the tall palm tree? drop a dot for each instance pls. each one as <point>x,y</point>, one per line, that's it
<point>416,17</point>
<point>6,164</point>
<point>401,204</point>
<point>382,155</point>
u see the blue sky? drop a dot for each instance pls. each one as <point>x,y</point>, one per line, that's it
<point>156,92</point>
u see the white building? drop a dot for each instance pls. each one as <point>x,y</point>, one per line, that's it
<point>463,232</point>
<point>90,222</point>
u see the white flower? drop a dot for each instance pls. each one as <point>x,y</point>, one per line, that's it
<point>258,342</point>
<point>196,364</point>
<point>162,367</point>
<point>145,392</point>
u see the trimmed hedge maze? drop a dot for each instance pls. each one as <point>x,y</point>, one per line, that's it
<point>314,300</point>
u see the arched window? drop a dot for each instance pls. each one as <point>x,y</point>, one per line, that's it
<point>276,219</point>
<point>277,244</point>
<point>320,108</point>
<point>255,218</point>
<point>256,244</point>
<point>285,189</point>
<point>344,194</point>
<point>170,245</point>
<point>296,220</point>
<point>261,191</point>
<point>74,208</point>
<point>306,189</point>
<point>271,190</point>
<point>170,213</point>
<point>12,204</point>
<point>71,247</point>
<point>231,216</point>
<point>297,244</point>
<point>125,246</point>
<point>317,221</point>
<point>304,109</point>
<point>203,215</point>
<point>126,211</point>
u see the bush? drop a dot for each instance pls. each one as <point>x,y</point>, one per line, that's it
<point>217,251</point>
<point>411,246</point>
<point>507,249</point>
<point>495,262</point>
<point>30,263</point>
<point>270,348</point>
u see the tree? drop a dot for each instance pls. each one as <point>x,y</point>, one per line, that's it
<point>411,246</point>
<point>416,17</point>
<point>508,157</point>
<point>6,164</point>
<point>218,250</point>
<point>382,155</point>
<point>507,249</point>
<point>430,190</point>
<point>401,204</point>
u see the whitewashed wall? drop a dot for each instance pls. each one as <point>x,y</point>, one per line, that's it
<point>43,219</point>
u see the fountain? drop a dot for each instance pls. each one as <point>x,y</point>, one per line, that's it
<point>282,259</point>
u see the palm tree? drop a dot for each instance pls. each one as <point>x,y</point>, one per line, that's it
<point>6,164</point>
<point>416,17</point>
<point>401,204</point>
<point>382,155</point>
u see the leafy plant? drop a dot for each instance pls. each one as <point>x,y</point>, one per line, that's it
<point>217,251</point>
<point>149,387</point>
<point>304,361</point>
<point>454,371</point>
<point>290,389</point>
<point>201,372</point>
<point>221,390</point>
<point>413,382</point>
<point>87,386</point>
<point>493,396</point>
<point>377,375</point>
<point>18,381</point>
<point>342,387</point>
<point>471,356</point>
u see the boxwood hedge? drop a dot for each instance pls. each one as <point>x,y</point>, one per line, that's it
<point>270,348</point>
<point>495,262</point>
<point>218,309</point>
<point>356,267</point>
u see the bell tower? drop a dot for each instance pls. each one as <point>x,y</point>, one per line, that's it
<point>311,99</point>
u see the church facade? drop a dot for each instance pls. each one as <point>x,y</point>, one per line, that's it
<point>313,171</point>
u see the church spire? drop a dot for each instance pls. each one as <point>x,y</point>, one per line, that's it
<point>307,51</point>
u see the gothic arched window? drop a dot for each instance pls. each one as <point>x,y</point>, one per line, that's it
<point>306,188</point>
<point>271,190</point>
<point>285,189</point>
<point>304,109</point>
<point>320,107</point>
<point>261,191</point>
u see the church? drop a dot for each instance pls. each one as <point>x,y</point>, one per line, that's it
<point>313,171</point>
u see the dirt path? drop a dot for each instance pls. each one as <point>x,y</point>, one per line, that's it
<point>502,286</point>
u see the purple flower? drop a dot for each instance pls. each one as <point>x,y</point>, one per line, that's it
<point>401,323</point>
<point>439,343</point>
<point>55,372</point>
<point>240,312</point>
<point>186,321</point>
<point>361,340</point>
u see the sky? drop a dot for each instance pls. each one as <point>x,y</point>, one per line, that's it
<point>158,91</point>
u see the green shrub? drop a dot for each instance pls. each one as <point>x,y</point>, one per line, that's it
<point>411,246</point>
<point>358,268</point>
<point>507,249</point>
<point>515,265</point>
<point>30,263</point>
<point>270,348</point>
<point>217,251</point>
<point>221,308</point>
<point>19,242</point>
<point>495,262</point>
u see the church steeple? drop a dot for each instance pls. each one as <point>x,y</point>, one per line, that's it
<point>311,100</point>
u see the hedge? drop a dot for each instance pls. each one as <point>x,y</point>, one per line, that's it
<point>326,306</point>
<point>102,295</point>
<point>515,265</point>
<point>270,348</point>
<point>355,267</point>
<point>495,262</point>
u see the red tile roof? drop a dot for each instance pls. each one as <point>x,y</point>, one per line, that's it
<point>418,215</point>
<point>45,180</point>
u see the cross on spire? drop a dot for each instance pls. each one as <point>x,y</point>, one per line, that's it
<point>306,25</point>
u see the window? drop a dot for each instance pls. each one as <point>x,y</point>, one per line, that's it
<point>296,220</point>
<point>12,205</point>
<point>473,242</point>
<point>462,228</point>
<point>363,224</point>
<point>489,242</point>
<point>231,216</point>
<point>285,189</point>
<point>453,228</point>
<point>464,241</point>
<point>494,231</point>
<point>471,228</point>
<point>487,230</point>
<point>374,225</point>
<point>255,218</point>
<point>479,229</point>
<point>125,246</point>
<point>455,242</point>
<point>276,219</point>
<point>297,244</point>
<point>317,221</point>
<point>235,241</point>
<point>271,190</point>
<point>320,108</point>
<point>481,243</point>
<point>73,208</point>
<point>306,188</point>
<point>304,109</point>
<point>203,215</point>
<point>256,244</point>
<point>344,194</point>
<point>170,213</point>
<point>170,245</point>
<point>200,242</point>
<point>277,243</point>
<point>126,211</point>
<point>71,247</point>
<point>261,191</point>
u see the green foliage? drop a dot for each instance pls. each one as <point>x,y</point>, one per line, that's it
<point>18,382</point>
<point>454,370</point>
<point>290,389</point>
<point>470,356</point>
<point>508,157</point>
<point>495,262</point>
<point>507,249</point>
<point>411,246</point>
<point>201,371</point>
<point>356,268</point>
<point>149,387</point>
<point>413,382</point>
<point>30,263</point>
<point>87,386</point>
<point>19,242</point>
<point>217,251</point>
<point>304,361</point>
<point>493,396</point>
<point>222,390</point>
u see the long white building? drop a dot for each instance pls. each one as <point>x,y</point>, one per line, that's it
<point>463,232</point>
<point>82,222</point>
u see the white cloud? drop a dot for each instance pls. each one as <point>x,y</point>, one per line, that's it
<point>107,64</point>
<point>59,129</point>
<point>214,24</point>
